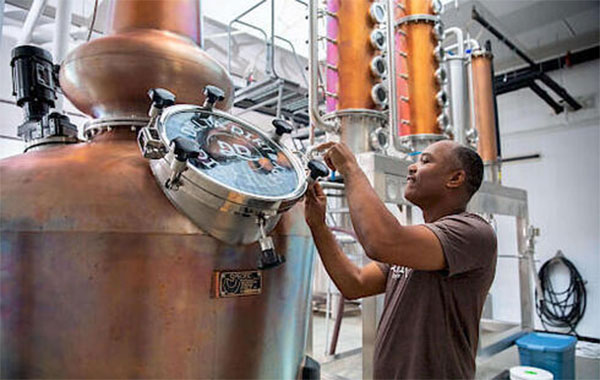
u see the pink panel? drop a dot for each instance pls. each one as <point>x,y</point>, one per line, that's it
<point>331,103</point>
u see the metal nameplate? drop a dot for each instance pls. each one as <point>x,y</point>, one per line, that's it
<point>237,283</point>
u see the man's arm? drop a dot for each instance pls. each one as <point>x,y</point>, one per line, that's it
<point>379,232</point>
<point>352,281</point>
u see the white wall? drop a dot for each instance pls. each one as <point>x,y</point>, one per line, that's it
<point>11,116</point>
<point>563,187</point>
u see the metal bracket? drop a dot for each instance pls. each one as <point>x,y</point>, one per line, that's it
<point>417,18</point>
<point>150,144</point>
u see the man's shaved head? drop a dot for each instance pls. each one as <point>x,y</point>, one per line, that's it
<point>471,163</point>
<point>445,170</point>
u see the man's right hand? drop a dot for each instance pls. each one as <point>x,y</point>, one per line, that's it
<point>315,206</point>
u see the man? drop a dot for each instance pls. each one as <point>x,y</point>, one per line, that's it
<point>435,276</point>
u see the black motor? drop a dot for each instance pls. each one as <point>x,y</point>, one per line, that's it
<point>35,83</point>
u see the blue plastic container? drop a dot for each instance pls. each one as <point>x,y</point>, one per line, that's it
<point>552,352</point>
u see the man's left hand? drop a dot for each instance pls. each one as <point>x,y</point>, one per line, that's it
<point>338,157</point>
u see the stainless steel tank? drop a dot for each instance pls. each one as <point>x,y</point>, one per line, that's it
<point>101,276</point>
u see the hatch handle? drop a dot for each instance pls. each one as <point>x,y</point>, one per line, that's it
<point>268,257</point>
<point>213,95</point>
<point>317,169</point>
<point>282,127</point>
<point>183,150</point>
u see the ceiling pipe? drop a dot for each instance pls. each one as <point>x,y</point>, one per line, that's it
<point>35,12</point>
<point>560,91</point>
<point>1,17</point>
<point>61,38</point>
<point>460,42</point>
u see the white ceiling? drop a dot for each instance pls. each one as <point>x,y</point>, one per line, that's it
<point>541,28</point>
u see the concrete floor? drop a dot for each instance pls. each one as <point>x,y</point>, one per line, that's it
<point>350,367</point>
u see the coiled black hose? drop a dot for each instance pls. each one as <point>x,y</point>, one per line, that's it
<point>565,308</point>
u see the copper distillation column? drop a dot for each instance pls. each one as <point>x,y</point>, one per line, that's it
<point>420,100</point>
<point>355,95</point>
<point>101,276</point>
<point>485,113</point>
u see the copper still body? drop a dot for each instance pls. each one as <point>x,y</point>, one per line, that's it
<point>101,276</point>
<point>355,94</point>
<point>151,45</point>
<point>349,55</point>
<point>420,100</point>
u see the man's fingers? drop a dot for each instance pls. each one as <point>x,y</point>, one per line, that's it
<point>328,162</point>
<point>310,193</point>
<point>322,147</point>
<point>314,192</point>
<point>318,190</point>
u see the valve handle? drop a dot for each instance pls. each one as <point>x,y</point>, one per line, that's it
<point>317,169</point>
<point>184,149</point>
<point>269,259</point>
<point>213,95</point>
<point>161,98</point>
<point>282,127</point>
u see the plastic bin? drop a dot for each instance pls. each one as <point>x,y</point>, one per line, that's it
<point>552,352</point>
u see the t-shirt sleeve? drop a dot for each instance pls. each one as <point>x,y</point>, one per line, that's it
<point>468,242</point>
<point>385,268</point>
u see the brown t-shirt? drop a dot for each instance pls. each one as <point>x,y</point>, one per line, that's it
<point>430,322</point>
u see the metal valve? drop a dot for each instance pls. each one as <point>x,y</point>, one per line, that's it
<point>378,139</point>
<point>213,95</point>
<point>472,137</point>
<point>281,128</point>
<point>317,169</point>
<point>379,67</point>
<point>183,150</point>
<point>268,257</point>
<point>161,99</point>
<point>377,13</point>
<point>148,138</point>
<point>379,94</point>
<point>150,144</point>
<point>377,39</point>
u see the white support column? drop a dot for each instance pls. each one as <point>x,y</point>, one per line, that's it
<point>201,24</point>
<point>61,37</point>
<point>36,10</point>
<point>1,18</point>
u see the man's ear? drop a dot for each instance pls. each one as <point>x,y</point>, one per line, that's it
<point>457,178</point>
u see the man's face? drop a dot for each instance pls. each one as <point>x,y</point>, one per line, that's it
<point>427,177</point>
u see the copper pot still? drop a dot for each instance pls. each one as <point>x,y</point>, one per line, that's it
<point>101,276</point>
<point>151,44</point>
